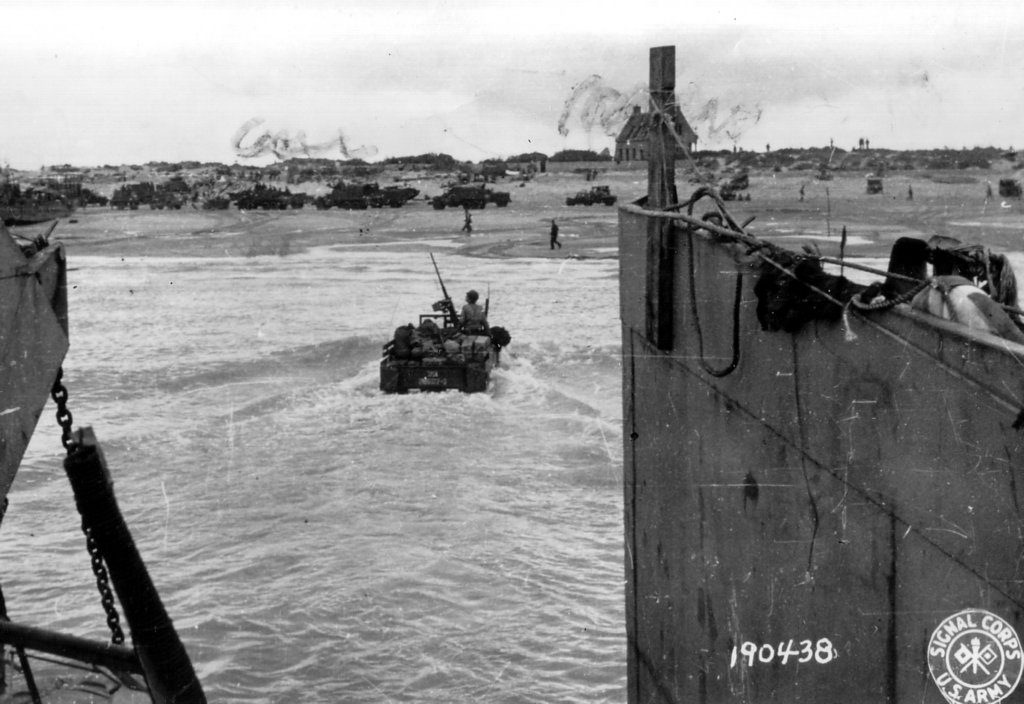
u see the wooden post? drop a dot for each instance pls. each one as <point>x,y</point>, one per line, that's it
<point>661,171</point>
<point>661,192</point>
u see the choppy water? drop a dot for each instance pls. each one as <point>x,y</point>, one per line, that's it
<point>313,539</point>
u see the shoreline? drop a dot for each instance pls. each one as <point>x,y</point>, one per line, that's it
<point>790,209</point>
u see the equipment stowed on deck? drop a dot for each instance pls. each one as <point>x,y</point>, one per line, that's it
<point>440,357</point>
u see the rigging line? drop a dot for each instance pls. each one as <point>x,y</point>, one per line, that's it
<point>761,247</point>
<point>790,274</point>
<point>864,267</point>
<point>731,367</point>
<point>740,235</point>
<point>1013,405</point>
<point>802,430</point>
<point>708,192</point>
<point>667,118</point>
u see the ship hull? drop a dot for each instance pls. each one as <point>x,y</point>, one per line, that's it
<point>33,342</point>
<point>829,515</point>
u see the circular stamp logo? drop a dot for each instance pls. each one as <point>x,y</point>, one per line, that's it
<point>975,657</point>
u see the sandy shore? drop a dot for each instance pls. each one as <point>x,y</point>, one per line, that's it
<point>952,205</point>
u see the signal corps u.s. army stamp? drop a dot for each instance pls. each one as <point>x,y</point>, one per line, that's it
<point>975,657</point>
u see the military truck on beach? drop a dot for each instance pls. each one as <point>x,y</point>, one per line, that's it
<point>394,196</point>
<point>262,197</point>
<point>216,203</point>
<point>466,196</point>
<point>597,194</point>
<point>132,195</point>
<point>348,196</point>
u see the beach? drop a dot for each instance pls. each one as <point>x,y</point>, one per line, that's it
<point>948,203</point>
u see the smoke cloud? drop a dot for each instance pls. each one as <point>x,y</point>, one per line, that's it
<point>712,122</point>
<point>284,146</point>
<point>600,106</point>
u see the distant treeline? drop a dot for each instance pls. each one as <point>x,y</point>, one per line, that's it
<point>431,161</point>
<point>784,159</point>
<point>835,159</point>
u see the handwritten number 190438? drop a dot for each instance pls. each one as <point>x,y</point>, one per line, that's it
<point>821,652</point>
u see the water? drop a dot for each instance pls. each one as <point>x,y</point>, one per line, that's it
<point>313,539</point>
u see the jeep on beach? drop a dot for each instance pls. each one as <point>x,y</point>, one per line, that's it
<point>597,194</point>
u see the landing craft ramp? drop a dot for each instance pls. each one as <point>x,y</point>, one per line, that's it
<point>33,342</point>
<point>826,515</point>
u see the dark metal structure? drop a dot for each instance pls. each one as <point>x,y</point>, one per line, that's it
<point>827,513</point>
<point>33,343</point>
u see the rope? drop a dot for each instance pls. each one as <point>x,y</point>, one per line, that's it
<point>731,367</point>
<point>763,250</point>
<point>667,118</point>
<point>864,267</point>
<point>887,303</point>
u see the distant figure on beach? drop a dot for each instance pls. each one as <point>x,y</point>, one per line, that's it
<point>554,234</point>
<point>801,193</point>
<point>467,226</point>
<point>910,192</point>
<point>473,318</point>
<point>988,191</point>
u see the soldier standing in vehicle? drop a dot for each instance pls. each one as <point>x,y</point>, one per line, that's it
<point>473,317</point>
<point>554,234</point>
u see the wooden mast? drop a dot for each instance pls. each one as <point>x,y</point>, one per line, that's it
<point>661,192</point>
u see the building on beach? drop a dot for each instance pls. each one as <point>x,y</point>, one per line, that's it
<point>631,144</point>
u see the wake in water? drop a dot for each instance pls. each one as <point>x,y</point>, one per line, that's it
<point>316,539</point>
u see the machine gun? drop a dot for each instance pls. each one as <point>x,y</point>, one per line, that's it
<point>446,305</point>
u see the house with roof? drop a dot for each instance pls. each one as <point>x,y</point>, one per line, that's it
<point>631,144</point>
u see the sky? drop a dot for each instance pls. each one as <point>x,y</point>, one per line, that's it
<point>250,81</point>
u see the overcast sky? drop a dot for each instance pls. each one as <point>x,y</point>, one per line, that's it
<point>91,83</point>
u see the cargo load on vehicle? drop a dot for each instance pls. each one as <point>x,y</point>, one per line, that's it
<point>439,353</point>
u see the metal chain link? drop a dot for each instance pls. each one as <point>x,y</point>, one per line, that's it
<point>103,585</point>
<point>3,602</point>
<point>64,418</point>
<point>60,396</point>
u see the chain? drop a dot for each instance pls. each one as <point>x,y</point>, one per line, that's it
<point>60,396</point>
<point>3,602</point>
<point>64,419</point>
<point>103,585</point>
